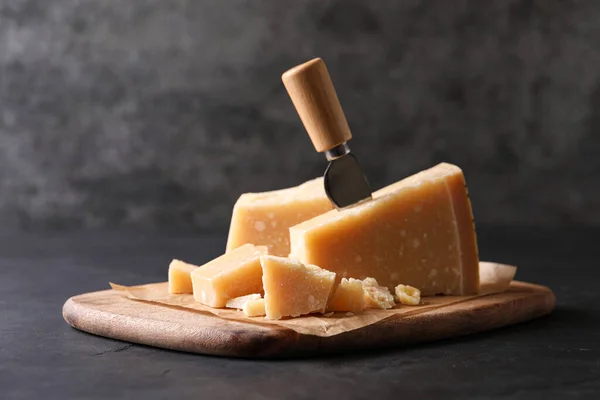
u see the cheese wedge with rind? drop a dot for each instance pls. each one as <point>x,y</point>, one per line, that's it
<point>265,218</point>
<point>293,289</point>
<point>418,231</point>
<point>233,274</point>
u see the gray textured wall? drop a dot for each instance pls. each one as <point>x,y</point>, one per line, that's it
<point>160,113</point>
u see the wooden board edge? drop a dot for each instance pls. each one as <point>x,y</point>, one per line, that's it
<point>279,342</point>
<point>241,342</point>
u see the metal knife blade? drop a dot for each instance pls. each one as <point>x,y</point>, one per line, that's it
<point>345,182</point>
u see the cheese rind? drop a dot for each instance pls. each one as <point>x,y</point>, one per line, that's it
<point>348,296</point>
<point>265,218</point>
<point>293,289</point>
<point>254,308</point>
<point>238,302</point>
<point>418,231</point>
<point>233,274</point>
<point>180,281</point>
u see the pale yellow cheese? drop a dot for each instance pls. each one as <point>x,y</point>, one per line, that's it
<point>418,231</point>
<point>180,280</point>
<point>408,295</point>
<point>293,289</point>
<point>348,296</point>
<point>233,274</point>
<point>254,308</point>
<point>265,218</point>
<point>238,302</point>
<point>377,296</point>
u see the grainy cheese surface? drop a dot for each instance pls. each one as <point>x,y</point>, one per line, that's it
<point>348,296</point>
<point>265,218</point>
<point>418,231</point>
<point>233,274</point>
<point>180,280</point>
<point>293,289</point>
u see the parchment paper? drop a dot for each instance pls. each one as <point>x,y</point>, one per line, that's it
<point>494,278</point>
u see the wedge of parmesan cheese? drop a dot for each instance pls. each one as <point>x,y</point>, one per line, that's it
<point>418,231</point>
<point>348,296</point>
<point>265,218</point>
<point>231,275</point>
<point>293,289</point>
<point>180,279</point>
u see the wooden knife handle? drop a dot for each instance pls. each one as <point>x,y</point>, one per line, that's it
<point>310,88</point>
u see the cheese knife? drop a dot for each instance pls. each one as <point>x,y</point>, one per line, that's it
<point>313,95</point>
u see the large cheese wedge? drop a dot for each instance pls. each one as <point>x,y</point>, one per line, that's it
<point>265,218</point>
<point>293,289</point>
<point>418,231</point>
<point>180,280</point>
<point>231,275</point>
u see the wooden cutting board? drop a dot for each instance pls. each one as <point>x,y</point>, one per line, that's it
<point>108,313</point>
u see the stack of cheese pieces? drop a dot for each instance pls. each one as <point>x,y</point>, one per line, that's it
<point>289,253</point>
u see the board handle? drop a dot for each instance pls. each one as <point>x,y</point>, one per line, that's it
<point>311,90</point>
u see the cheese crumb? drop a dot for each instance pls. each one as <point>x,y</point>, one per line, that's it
<point>377,296</point>
<point>408,295</point>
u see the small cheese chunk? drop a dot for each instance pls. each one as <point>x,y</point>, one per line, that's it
<point>233,274</point>
<point>408,295</point>
<point>265,218</point>
<point>418,231</point>
<point>293,289</point>
<point>180,280</point>
<point>254,308</point>
<point>238,302</point>
<point>348,296</point>
<point>377,296</point>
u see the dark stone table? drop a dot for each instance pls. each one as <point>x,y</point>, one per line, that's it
<point>557,356</point>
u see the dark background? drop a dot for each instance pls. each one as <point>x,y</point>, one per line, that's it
<point>158,114</point>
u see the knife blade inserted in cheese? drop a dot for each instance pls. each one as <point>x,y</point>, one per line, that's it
<point>311,90</point>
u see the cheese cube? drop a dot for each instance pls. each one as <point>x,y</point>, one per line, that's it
<point>293,289</point>
<point>265,218</point>
<point>180,280</point>
<point>254,308</point>
<point>238,302</point>
<point>418,231</point>
<point>348,296</point>
<point>233,274</point>
<point>377,296</point>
